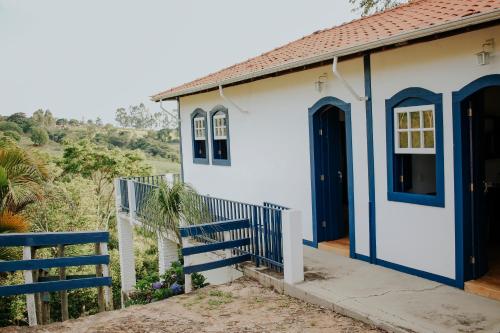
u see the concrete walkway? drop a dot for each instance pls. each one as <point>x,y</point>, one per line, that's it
<point>391,300</point>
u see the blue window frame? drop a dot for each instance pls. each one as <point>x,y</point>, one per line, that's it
<point>199,131</point>
<point>414,125</point>
<point>219,127</point>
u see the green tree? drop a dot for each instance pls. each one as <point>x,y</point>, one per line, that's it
<point>102,166</point>
<point>39,136</point>
<point>21,182</point>
<point>10,126</point>
<point>22,120</point>
<point>122,117</point>
<point>368,7</point>
<point>44,118</point>
<point>22,176</point>
<point>137,116</point>
<point>62,122</point>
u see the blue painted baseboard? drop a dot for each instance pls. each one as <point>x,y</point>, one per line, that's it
<point>361,257</point>
<point>416,272</point>
<point>310,243</point>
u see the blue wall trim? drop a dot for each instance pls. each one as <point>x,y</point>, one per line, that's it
<point>457,99</point>
<point>416,272</point>
<point>215,161</point>
<point>203,113</point>
<point>181,155</point>
<point>310,243</point>
<point>346,108</point>
<point>362,257</point>
<point>370,157</point>
<point>413,97</point>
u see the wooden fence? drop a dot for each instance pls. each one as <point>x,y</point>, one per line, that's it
<point>38,282</point>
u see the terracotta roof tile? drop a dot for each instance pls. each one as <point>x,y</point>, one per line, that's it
<point>416,15</point>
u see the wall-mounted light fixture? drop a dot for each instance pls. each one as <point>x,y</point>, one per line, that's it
<point>320,84</point>
<point>483,57</point>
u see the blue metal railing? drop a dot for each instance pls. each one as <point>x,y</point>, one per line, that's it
<point>265,231</point>
<point>124,195</point>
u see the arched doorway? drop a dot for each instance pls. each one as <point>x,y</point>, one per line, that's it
<point>476,112</point>
<point>331,174</point>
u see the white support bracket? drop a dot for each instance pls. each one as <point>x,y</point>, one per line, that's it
<point>221,93</point>
<point>344,82</point>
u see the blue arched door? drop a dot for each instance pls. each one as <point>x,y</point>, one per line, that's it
<point>331,170</point>
<point>476,110</point>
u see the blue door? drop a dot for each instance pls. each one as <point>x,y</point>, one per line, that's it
<point>481,157</point>
<point>331,183</point>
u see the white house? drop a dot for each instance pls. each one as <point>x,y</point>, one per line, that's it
<point>384,132</point>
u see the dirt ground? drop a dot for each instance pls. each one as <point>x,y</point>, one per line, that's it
<point>241,306</point>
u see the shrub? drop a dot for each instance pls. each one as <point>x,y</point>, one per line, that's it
<point>10,126</point>
<point>13,135</point>
<point>39,136</point>
<point>153,288</point>
<point>57,136</point>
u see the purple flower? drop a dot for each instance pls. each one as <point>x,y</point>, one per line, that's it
<point>157,285</point>
<point>176,288</point>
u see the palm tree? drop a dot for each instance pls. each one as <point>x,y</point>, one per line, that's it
<point>171,205</point>
<point>21,178</point>
<point>21,183</point>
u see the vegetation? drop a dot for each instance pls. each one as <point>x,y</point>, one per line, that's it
<point>153,288</point>
<point>65,183</point>
<point>367,7</point>
<point>139,116</point>
<point>170,204</point>
<point>39,136</point>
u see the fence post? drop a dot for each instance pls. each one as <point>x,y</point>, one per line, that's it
<point>30,298</point>
<point>63,293</point>
<point>293,256</point>
<point>167,253</point>
<point>256,234</point>
<point>108,295</point>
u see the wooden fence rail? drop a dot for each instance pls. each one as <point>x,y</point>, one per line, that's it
<point>37,281</point>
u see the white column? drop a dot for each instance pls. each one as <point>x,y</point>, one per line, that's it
<point>169,178</point>
<point>125,244</point>
<point>127,258</point>
<point>167,253</point>
<point>131,201</point>
<point>188,285</point>
<point>30,298</point>
<point>293,256</point>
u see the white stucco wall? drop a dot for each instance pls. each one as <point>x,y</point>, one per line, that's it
<point>417,236</point>
<point>270,145</point>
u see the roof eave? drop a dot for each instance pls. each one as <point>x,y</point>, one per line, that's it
<point>400,38</point>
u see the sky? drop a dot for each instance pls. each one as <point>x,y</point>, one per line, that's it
<point>83,59</point>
